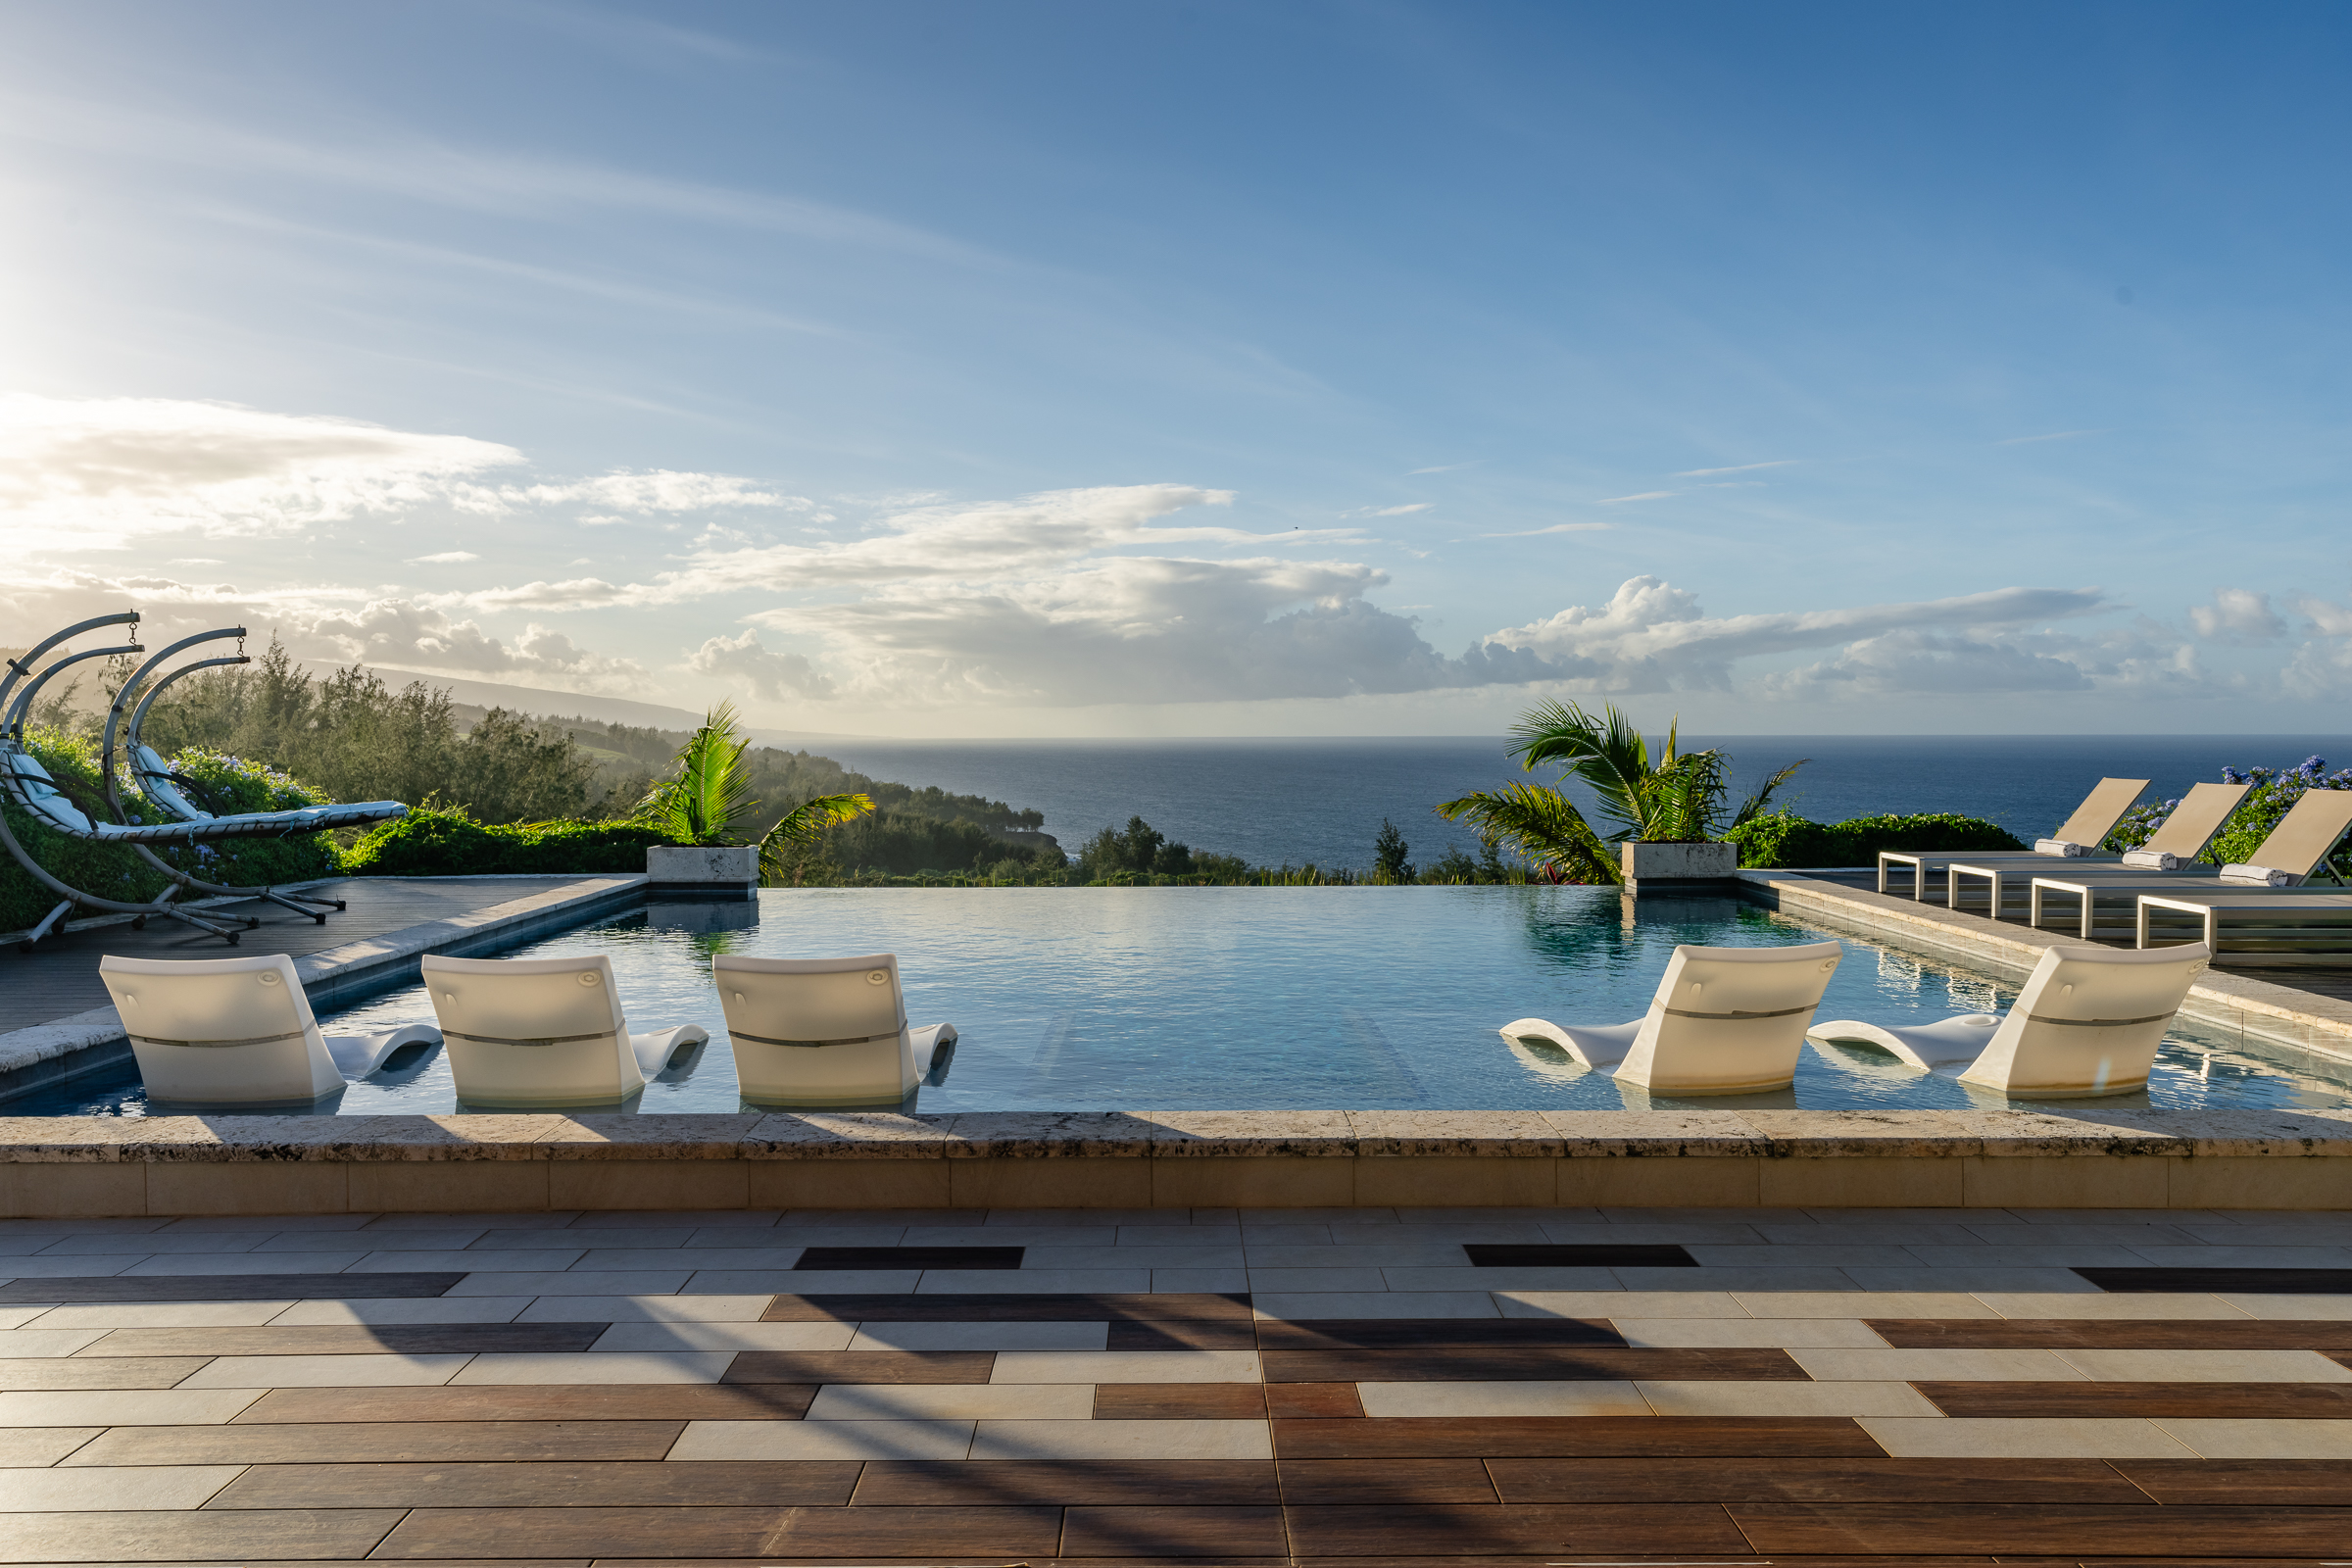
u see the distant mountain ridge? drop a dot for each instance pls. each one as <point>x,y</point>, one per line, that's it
<point>544,703</point>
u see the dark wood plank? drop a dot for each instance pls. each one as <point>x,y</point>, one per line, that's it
<point>2249,1483</point>
<point>862,1533</point>
<point>1368,1481</point>
<point>1456,1531</point>
<point>396,1339</point>
<point>2247,1401</point>
<point>1515,1437</point>
<point>1528,1363</point>
<point>541,1484</point>
<point>1313,1399</point>
<point>2269,1281</point>
<point>1179,1334</point>
<point>96,1371</point>
<point>1180,1401</point>
<point>930,1484</point>
<point>841,1257</point>
<point>1420,1332</point>
<point>1172,1531</point>
<point>389,1442</point>
<point>229,1288</point>
<point>1794,1478</point>
<point>2119,1334</point>
<point>1577,1255</point>
<point>189,1534</point>
<point>682,1402</point>
<point>2043,1529</point>
<point>1009,1309</point>
<point>860,1366</point>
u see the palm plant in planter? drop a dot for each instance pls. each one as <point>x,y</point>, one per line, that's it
<point>712,790</point>
<point>1676,797</point>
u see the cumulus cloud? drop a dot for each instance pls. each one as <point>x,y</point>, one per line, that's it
<point>2238,615</point>
<point>445,557</point>
<point>400,632</point>
<point>742,661</point>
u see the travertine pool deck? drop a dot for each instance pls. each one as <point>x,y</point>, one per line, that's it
<point>1265,1386</point>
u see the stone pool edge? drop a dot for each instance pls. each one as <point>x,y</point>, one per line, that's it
<point>81,1167</point>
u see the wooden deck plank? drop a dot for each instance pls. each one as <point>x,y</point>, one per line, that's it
<point>912,1483</point>
<point>380,1339</point>
<point>1307,1481</point>
<point>382,1442</point>
<point>1515,1437</point>
<point>1794,1478</point>
<point>864,1534</point>
<point>1172,1531</point>
<point>553,1401</point>
<point>2116,1333</point>
<point>2043,1529</point>
<point>539,1484</point>
<point>1458,1531</point>
<point>1519,1363</point>
<point>1180,1401</point>
<point>861,1367</point>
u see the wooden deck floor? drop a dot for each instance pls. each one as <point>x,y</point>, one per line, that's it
<point>60,976</point>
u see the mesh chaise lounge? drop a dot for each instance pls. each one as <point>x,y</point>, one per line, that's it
<point>2173,849</point>
<point>2086,1024</point>
<point>2299,847</point>
<point>2251,925</point>
<point>1725,1021</point>
<point>2077,838</point>
<point>823,1032</point>
<point>238,1031</point>
<point>526,1032</point>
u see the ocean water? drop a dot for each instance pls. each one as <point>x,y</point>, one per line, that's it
<point>1277,801</point>
<point>1266,998</point>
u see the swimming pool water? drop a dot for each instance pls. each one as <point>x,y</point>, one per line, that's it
<point>1263,998</point>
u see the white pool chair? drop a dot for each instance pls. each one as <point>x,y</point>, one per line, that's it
<point>823,1032</point>
<point>1725,1021</point>
<point>545,1032</point>
<point>2087,1024</point>
<point>238,1031</point>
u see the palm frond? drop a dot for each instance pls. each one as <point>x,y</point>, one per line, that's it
<point>1542,824</point>
<point>1753,806</point>
<point>804,822</point>
<point>1603,750</point>
<point>711,788</point>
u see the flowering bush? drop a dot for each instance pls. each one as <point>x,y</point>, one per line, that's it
<point>2274,793</point>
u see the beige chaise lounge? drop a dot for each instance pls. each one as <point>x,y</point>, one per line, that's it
<point>2173,849</point>
<point>2076,838</point>
<point>2296,848</point>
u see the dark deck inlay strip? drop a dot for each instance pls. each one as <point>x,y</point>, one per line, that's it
<point>1009,1307</point>
<point>226,1287</point>
<point>2271,1281</point>
<point>1580,1254</point>
<point>910,1258</point>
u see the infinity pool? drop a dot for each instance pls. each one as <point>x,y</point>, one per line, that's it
<point>1265,997</point>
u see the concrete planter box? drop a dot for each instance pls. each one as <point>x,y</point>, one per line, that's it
<point>1678,867</point>
<point>685,871</point>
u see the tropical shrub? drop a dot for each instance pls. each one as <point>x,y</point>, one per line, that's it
<point>431,841</point>
<point>1784,840</point>
<point>712,789</point>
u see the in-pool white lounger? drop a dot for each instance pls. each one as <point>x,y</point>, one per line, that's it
<point>2087,1024</point>
<point>823,1032</point>
<point>2077,838</point>
<point>238,1031</point>
<point>545,1032</point>
<point>1725,1021</point>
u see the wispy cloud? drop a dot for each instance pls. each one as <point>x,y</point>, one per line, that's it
<point>1557,527</point>
<point>447,558</point>
<point>1399,512</point>
<point>2054,435</point>
<point>1645,495</point>
<point>1742,467</point>
<point>1443,468</point>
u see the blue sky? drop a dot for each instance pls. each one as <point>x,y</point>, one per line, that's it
<point>1051,369</point>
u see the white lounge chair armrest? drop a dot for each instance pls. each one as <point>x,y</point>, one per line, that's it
<point>357,1056</point>
<point>1595,1046</point>
<point>2260,877</point>
<point>927,1041</point>
<point>655,1049</point>
<point>2065,848</point>
<point>1946,1043</point>
<point>2151,860</point>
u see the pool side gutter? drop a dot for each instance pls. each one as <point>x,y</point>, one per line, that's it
<point>74,1167</point>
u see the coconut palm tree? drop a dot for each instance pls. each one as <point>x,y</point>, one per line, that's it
<point>711,788</point>
<point>1677,797</point>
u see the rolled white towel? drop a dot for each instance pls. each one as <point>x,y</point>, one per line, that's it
<point>2066,847</point>
<point>2261,876</point>
<point>2151,860</point>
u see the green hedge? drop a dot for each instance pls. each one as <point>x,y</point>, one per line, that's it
<point>113,871</point>
<point>1782,840</point>
<point>437,842</point>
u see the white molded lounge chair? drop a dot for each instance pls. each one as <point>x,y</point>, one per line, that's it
<point>1725,1021</point>
<point>2077,838</point>
<point>2170,851</point>
<point>238,1031</point>
<point>821,1032</point>
<point>2087,1024</point>
<point>544,1031</point>
<point>2299,845</point>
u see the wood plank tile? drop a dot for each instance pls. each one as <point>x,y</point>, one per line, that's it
<point>860,1366</point>
<point>1791,1479</point>
<point>2120,1334</point>
<point>2250,1483</point>
<point>540,1485</point>
<point>1443,1437</point>
<point>1180,1401</point>
<point>2253,1400</point>
<point>229,1288</point>
<point>1456,1531</point>
<point>767,1533</point>
<point>2042,1529</point>
<point>850,1257</point>
<point>96,1372</point>
<point>33,1448</point>
<point>1532,1362</point>
<point>1313,1399</point>
<point>2268,1281</point>
<point>1183,1334</point>
<point>1230,1483</point>
<point>1108,1308</point>
<point>192,1536</point>
<point>391,1442</point>
<point>553,1401</point>
<point>376,1339</point>
<point>1418,1332</point>
<point>1172,1531</point>
<point>1369,1480</point>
